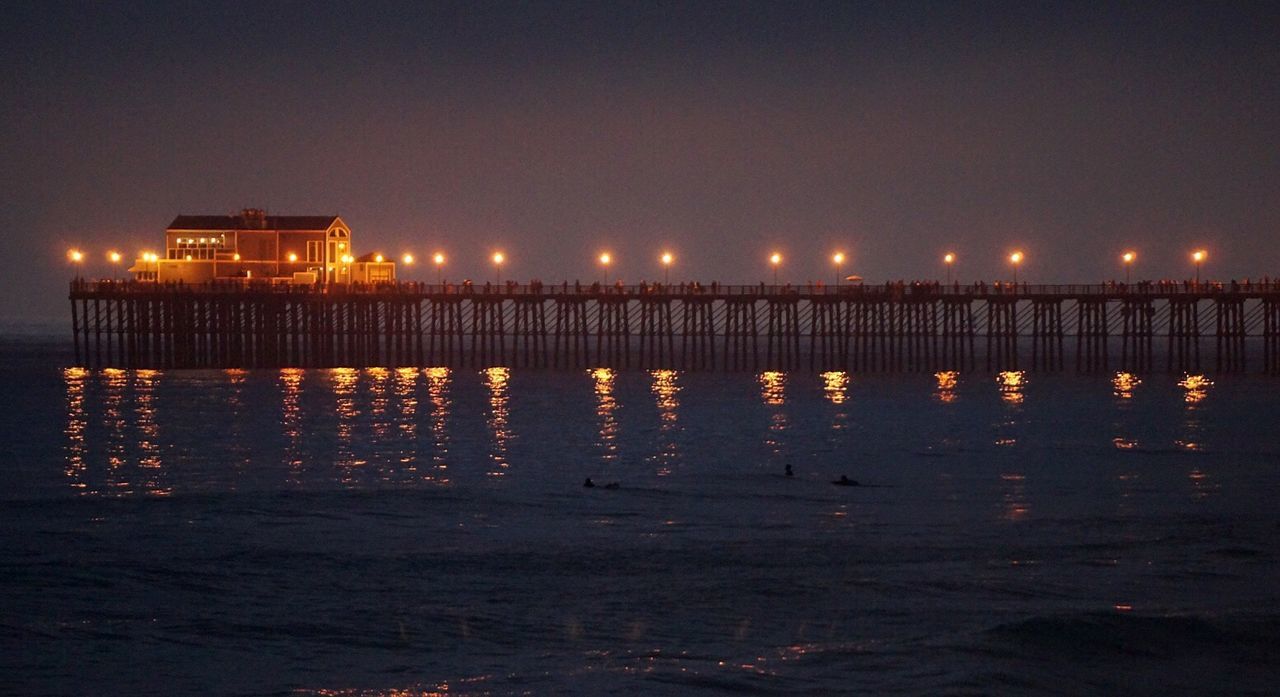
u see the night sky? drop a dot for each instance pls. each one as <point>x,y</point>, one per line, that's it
<point>721,131</point>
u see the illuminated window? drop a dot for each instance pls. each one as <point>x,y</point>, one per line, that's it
<point>315,248</point>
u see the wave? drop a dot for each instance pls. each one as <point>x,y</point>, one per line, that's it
<point>1123,634</point>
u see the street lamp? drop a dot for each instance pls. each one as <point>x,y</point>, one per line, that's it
<point>666,268</point>
<point>838,259</point>
<point>774,260</point>
<point>439,261</point>
<point>1198,256</point>
<point>407,259</point>
<point>1016,260</point>
<point>605,260</point>
<point>498,258</point>
<point>1128,258</point>
<point>76,257</point>
<point>949,259</point>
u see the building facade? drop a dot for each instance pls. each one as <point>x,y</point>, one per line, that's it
<point>304,249</point>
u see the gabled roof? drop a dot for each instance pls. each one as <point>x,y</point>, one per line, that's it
<point>243,222</point>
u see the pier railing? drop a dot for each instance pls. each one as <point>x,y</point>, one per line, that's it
<point>983,289</point>
<point>895,326</point>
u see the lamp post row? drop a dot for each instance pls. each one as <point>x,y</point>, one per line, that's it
<point>77,258</point>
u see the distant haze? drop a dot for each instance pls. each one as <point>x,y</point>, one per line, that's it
<point>722,132</point>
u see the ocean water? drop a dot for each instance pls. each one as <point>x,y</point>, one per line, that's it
<point>422,532</point>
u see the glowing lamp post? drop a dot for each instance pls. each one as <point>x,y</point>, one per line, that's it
<point>1198,256</point>
<point>949,260</point>
<point>1016,260</point>
<point>76,257</point>
<point>293,258</point>
<point>439,261</point>
<point>498,258</point>
<point>666,268</point>
<point>406,259</point>
<point>1128,258</point>
<point>606,260</point>
<point>775,260</point>
<point>838,260</point>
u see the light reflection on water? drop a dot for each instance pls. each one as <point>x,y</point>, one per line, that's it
<point>946,390</point>
<point>406,395</point>
<point>342,382</point>
<point>495,380</point>
<point>606,414</point>
<point>148,433</point>
<point>135,432</point>
<point>77,422</point>
<point>1196,391</point>
<point>291,418</point>
<point>666,393</point>
<point>116,381</point>
<point>441,404</point>
<point>1011,384</point>
<point>773,392</point>
<point>1123,384</point>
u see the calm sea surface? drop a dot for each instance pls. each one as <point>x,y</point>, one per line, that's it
<point>408,532</point>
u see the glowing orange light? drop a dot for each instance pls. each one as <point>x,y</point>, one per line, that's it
<point>775,259</point>
<point>1199,255</point>
<point>948,258</point>
<point>838,257</point>
<point>667,258</point>
<point>1016,258</point>
<point>1128,257</point>
<point>407,259</point>
<point>438,258</point>
<point>377,258</point>
<point>114,256</point>
<point>235,257</point>
<point>75,255</point>
<point>188,257</point>
<point>498,258</point>
<point>293,257</point>
<point>606,259</point>
<point>347,258</point>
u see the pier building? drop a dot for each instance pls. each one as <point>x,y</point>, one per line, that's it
<point>296,249</point>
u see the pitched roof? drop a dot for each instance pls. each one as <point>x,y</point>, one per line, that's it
<point>250,222</point>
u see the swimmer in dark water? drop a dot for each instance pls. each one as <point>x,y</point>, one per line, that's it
<point>789,472</point>
<point>844,480</point>
<point>589,484</point>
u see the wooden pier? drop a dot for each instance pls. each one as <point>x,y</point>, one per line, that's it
<point>895,327</point>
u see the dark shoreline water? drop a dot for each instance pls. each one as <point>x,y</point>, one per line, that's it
<point>417,532</point>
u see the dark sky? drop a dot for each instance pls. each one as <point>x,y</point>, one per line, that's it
<point>721,131</point>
